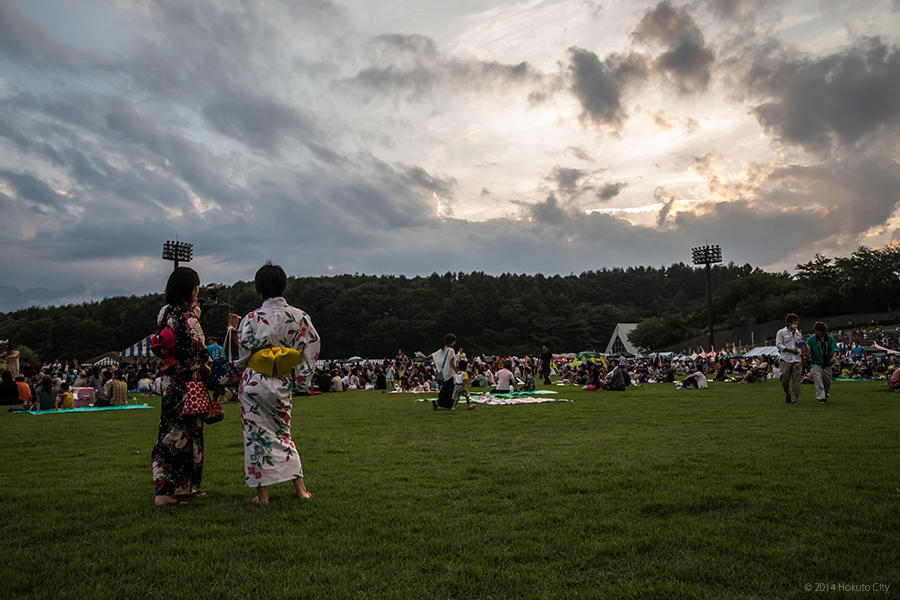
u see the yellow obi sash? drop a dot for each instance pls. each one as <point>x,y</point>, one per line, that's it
<point>274,361</point>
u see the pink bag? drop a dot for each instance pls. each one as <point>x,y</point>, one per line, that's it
<point>83,397</point>
<point>196,399</point>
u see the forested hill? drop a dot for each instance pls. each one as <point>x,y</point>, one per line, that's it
<point>372,316</point>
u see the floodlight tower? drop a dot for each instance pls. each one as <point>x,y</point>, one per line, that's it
<point>707,255</point>
<point>178,252</point>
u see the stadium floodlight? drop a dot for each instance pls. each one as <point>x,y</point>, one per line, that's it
<point>707,255</point>
<point>177,251</point>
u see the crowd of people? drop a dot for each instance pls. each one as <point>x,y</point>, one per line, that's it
<point>277,357</point>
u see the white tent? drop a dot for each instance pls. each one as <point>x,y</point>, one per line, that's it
<point>618,342</point>
<point>762,351</point>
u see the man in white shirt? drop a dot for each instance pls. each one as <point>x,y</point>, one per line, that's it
<point>506,381</point>
<point>788,340</point>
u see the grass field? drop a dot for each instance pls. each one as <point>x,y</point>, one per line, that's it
<point>654,493</point>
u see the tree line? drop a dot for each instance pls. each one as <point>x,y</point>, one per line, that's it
<point>371,316</point>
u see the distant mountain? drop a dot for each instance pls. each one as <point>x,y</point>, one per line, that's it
<point>12,298</point>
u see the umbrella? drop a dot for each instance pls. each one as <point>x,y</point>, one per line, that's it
<point>355,359</point>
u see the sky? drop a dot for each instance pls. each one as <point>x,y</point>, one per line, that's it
<point>411,137</point>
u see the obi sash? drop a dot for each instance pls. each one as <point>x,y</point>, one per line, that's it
<point>277,361</point>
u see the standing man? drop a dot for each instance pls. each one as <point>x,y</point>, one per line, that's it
<point>822,354</point>
<point>546,360</point>
<point>788,341</point>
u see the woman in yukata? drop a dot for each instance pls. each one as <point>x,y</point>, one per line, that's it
<point>177,460</point>
<point>273,340</point>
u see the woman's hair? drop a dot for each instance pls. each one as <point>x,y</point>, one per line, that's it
<point>270,281</point>
<point>449,339</point>
<point>791,317</point>
<point>820,326</point>
<point>47,383</point>
<point>181,285</point>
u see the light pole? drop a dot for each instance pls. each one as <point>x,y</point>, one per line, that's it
<point>177,251</point>
<point>707,255</point>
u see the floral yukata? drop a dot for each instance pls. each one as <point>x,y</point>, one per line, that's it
<point>178,454</point>
<point>269,454</point>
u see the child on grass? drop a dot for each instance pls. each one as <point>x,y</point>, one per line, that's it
<point>459,386</point>
<point>64,398</point>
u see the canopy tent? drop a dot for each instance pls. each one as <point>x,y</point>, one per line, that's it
<point>104,360</point>
<point>618,341</point>
<point>883,349</point>
<point>138,349</point>
<point>762,351</point>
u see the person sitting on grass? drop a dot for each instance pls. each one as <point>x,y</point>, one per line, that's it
<point>506,381</point>
<point>24,390</point>
<point>9,393</point>
<point>615,379</point>
<point>894,381</point>
<point>64,398</point>
<point>696,380</point>
<point>45,394</point>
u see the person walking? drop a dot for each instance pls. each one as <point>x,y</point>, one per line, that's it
<point>177,461</point>
<point>445,370</point>
<point>546,360</point>
<point>788,340</point>
<point>823,353</point>
<point>279,346</point>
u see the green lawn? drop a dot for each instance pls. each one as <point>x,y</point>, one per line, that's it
<point>654,493</point>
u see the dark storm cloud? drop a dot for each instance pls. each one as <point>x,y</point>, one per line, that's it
<point>257,121</point>
<point>599,85</point>
<point>548,212</point>
<point>34,190</point>
<point>611,190</point>
<point>411,67</point>
<point>687,60</point>
<point>567,180</point>
<point>24,39</point>
<point>816,102</point>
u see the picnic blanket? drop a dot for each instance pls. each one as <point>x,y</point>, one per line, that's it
<point>85,409</point>
<point>870,379</point>
<point>512,398</point>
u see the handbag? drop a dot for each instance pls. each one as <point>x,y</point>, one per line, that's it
<point>214,414</point>
<point>223,372</point>
<point>196,398</point>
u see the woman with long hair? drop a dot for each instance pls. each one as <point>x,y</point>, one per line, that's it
<point>275,341</point>
<point>178,454</point>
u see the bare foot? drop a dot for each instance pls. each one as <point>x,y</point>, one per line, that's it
<point>257,500</point>
<point>167,501</point>
<point>192,494</point>
<point>304,495</point>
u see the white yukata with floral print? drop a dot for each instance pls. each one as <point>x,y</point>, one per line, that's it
<point>269,454</point>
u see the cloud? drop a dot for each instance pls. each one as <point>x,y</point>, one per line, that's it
<point>667,201</point>
<point>611,190</point>
<point>566,179</point>
<point>34,191</point>
<point>24,39</point>
<point>823,102</point>
<point>260,122</point>
<point>579,153</point>
<point>687,60</point>
<point>599,85</point>
<point>410,67</point>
